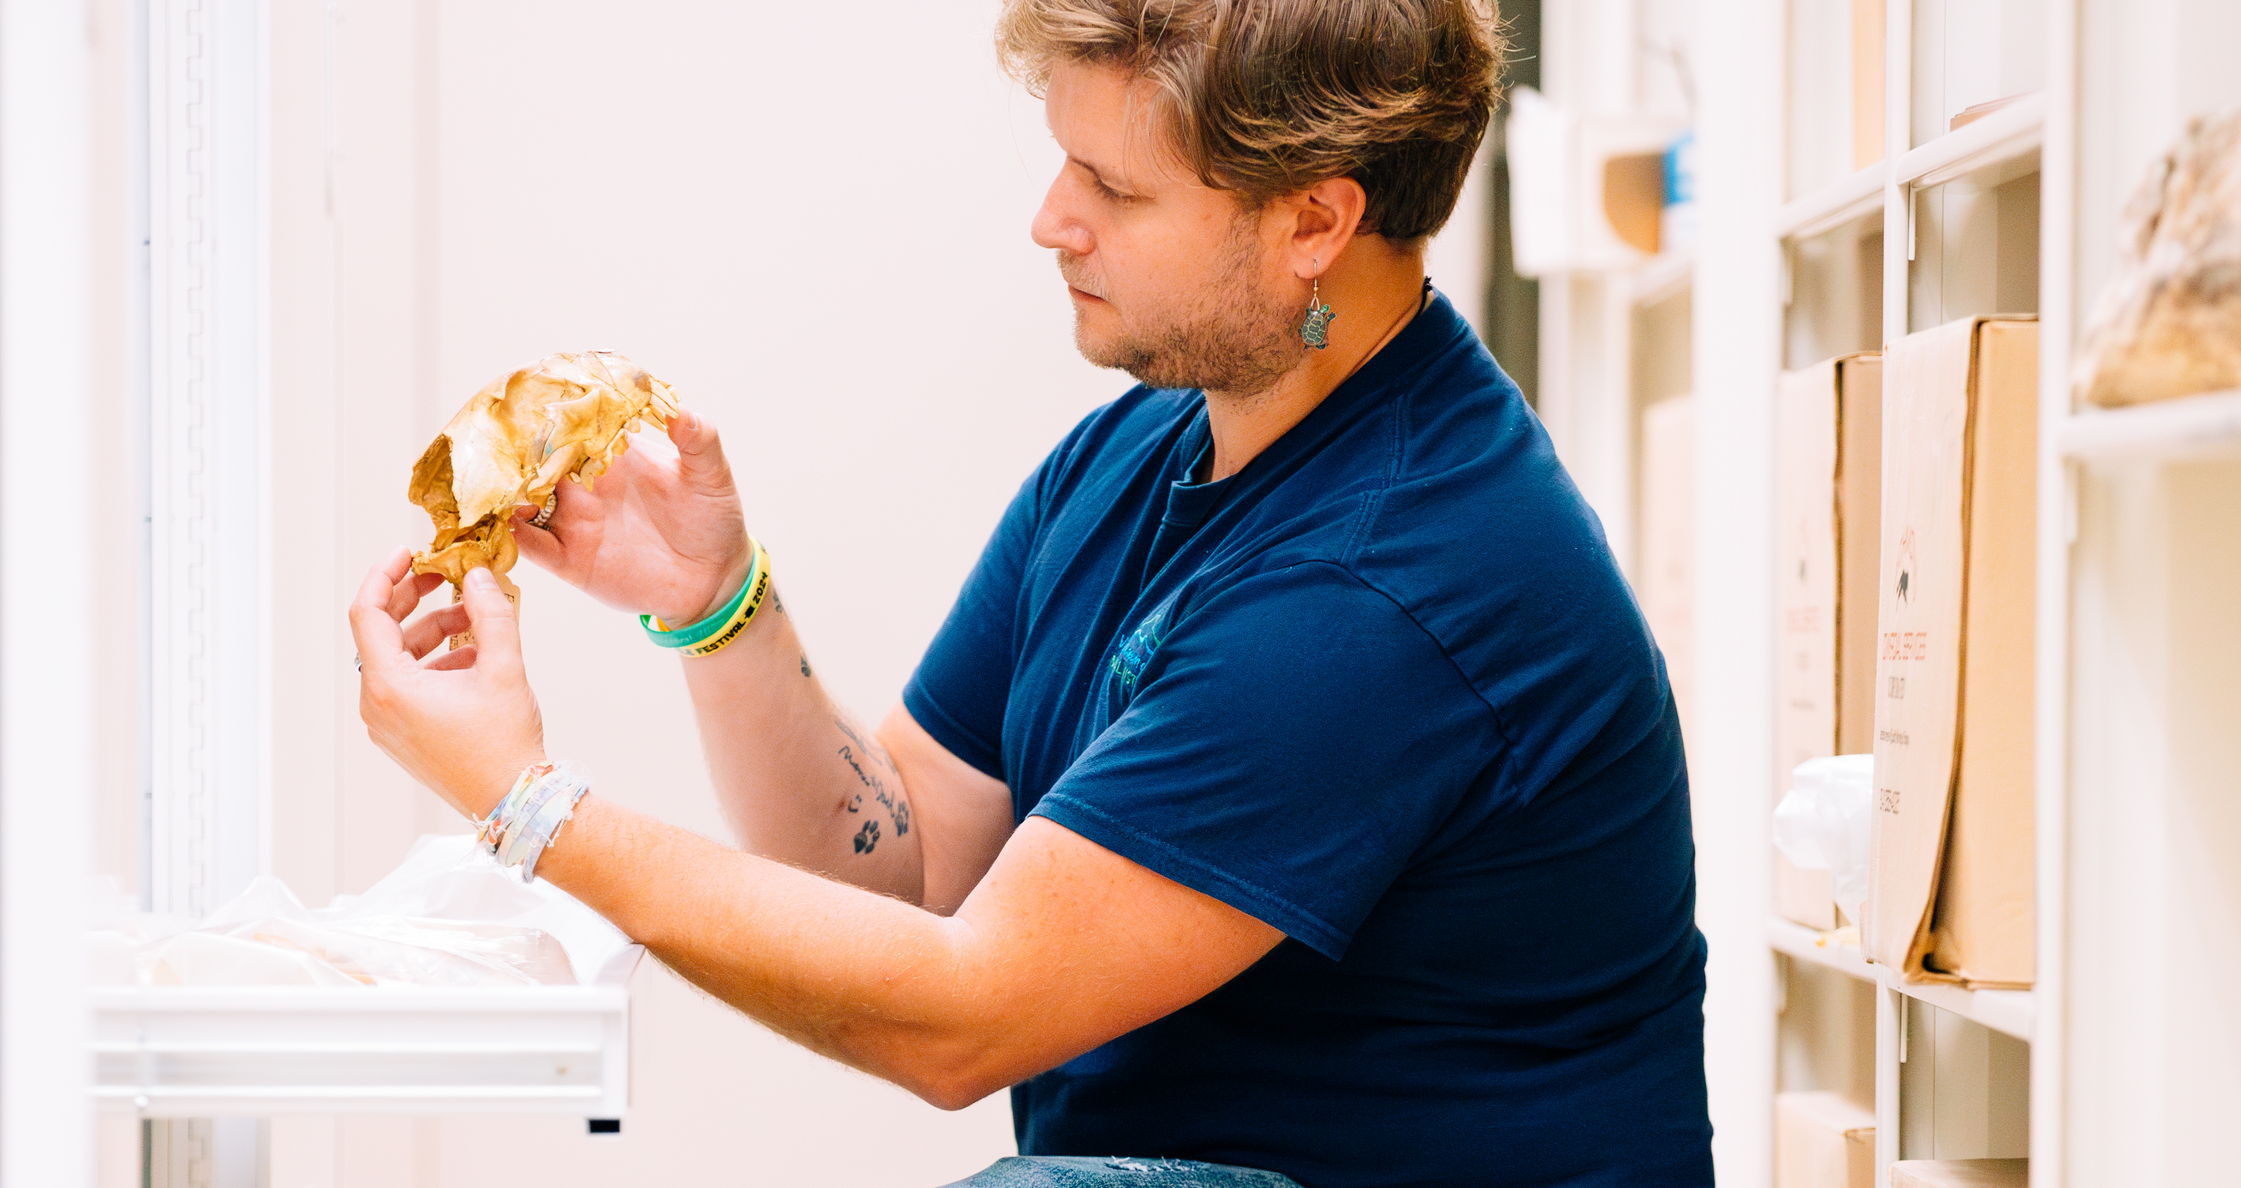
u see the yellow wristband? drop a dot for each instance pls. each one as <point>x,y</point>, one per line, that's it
<point>742,614</point>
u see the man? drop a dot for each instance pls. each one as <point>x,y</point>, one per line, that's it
<point>1294,785</point>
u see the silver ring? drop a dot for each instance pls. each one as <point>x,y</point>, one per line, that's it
<point>357,663</point>
<point>544,514</point>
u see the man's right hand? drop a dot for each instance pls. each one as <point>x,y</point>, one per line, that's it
<point>650,536</point>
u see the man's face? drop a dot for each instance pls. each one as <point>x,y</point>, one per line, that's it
<point>1171,280</point>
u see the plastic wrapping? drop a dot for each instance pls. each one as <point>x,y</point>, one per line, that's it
<point>447,916</point>
<point>1824,822</point>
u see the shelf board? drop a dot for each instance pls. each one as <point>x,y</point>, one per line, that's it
<point>2010,1012</point>
<point>1662,276</point>
<point>1852,197</point>
<point>2192,427</point>
<point>2006,141</point>
<point>1807,944</point>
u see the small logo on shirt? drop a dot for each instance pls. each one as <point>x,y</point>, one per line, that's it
<point>1136,651</point>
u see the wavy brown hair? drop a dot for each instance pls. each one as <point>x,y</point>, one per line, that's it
<point>1267,97</point>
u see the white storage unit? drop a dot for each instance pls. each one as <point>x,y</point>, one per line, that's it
<point>2116,1067</point>
<point>200,1052</point>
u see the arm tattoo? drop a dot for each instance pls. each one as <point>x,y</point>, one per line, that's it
<point>874,770</point>
<point>805,664</point>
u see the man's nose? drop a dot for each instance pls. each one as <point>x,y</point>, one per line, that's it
<point>1055,227</point>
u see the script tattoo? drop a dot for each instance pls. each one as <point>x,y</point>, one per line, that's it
<point>874,770</point>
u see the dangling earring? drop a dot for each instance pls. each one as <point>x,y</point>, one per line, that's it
<point>1314,330</point>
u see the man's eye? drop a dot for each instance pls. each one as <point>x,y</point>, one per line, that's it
<point>1112,195</point>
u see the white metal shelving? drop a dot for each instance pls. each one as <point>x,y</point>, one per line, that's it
<point>200,1052</point>
<point>2206,426</point>
<point>2010,1012</point>
<point>1853,196</point>
<point>1820,948</point>
<point>2007,139</point>
<point>2117,1059</point>
<point>2004,143</point>
<point>1663,276</point>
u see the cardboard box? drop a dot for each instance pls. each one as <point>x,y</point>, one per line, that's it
<point>1961,1173</point>
<point>1822,1140</point>
<point>1827,502</point>
<point>1952,890</point>
<point>1665,577</point>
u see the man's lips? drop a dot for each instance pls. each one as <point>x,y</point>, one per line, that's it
<point>1080,295</point>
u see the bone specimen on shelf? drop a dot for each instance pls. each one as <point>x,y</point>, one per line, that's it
<point>569,416</point>
<point>2168,323</point>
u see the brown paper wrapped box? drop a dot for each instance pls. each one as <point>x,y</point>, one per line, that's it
<point>1961,1173</point>
<point>1951,898</point>
<point>1828,492</point>
<point>1822,1140</point>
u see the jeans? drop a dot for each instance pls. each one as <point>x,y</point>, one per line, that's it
<point>1050,1171</point>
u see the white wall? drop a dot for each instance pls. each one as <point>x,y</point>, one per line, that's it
<point>812,220</point>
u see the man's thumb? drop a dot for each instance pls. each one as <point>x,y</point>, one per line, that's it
<point>490,615</point>
<point>700,453</point>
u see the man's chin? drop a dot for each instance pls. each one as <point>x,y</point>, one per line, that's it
<point>1110,351</point>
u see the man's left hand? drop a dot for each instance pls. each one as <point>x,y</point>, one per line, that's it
<point>463,723</point>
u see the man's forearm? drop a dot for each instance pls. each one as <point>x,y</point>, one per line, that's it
<point>799,779</point>
<point>869,981</point>
<point>1062,947</point>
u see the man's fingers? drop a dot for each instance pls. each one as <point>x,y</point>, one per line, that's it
<point>491,614</point>
<point>447,661</point>
<point>423,634</point>
<point>380,640</point>
<point>405,596</point>
<point>700,453</point>
<point>537,544</point>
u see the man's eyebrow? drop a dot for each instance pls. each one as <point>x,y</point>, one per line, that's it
<point>1095,172</point>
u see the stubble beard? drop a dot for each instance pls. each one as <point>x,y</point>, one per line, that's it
<point>1230,337</point>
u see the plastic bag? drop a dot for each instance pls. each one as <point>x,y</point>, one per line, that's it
<point>447,916</point>
<point>1824,823</point>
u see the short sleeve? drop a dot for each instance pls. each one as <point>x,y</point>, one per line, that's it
<point>1290,747</point>
<point>962,685</point>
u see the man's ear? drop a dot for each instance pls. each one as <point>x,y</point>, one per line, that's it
<point>1325,217</point>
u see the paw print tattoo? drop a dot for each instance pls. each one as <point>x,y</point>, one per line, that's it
<point>867,838</point>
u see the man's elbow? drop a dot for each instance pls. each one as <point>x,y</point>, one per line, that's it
<point>953,1079</point>
<point>954,1093</point>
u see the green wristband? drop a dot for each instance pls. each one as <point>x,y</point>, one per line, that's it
<point>685,637</point>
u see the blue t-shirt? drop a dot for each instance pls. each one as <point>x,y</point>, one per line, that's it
<point>1385,689</point>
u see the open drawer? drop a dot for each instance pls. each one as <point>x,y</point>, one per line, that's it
<point>199,1052</point>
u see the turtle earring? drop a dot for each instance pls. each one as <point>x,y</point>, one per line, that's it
<point>1314,329</point>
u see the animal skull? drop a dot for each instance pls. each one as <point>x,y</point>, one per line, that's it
<point>2169,321</point>
<point>568,416</point>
